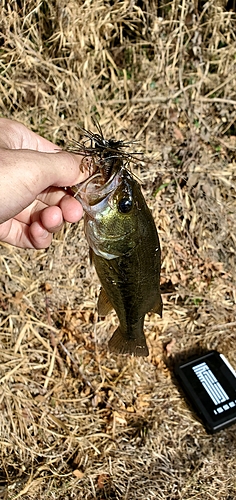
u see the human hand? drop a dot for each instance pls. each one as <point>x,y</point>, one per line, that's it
<point>32,203</point>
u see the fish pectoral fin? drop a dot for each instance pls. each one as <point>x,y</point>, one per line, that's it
<point>157,309</point>
<point>104,305</point>
<point>90,256</point>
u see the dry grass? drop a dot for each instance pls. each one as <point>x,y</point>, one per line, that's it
<point>75,421</point>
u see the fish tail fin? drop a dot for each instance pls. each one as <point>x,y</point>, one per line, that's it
<point>122,344</point>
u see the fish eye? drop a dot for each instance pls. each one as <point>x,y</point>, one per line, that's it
<point>125,205</point>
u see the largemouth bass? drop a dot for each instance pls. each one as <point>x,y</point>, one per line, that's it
<point>125,250</point>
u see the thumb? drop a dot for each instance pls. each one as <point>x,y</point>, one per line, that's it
<point>26,173</point>
<point>62,168</point>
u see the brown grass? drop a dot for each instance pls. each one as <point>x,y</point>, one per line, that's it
<point>75,421</point>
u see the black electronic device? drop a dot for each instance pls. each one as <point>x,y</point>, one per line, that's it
<point>209,381</point>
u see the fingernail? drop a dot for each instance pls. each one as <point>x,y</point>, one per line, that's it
<point>56,229</point>
<point>44,233</point>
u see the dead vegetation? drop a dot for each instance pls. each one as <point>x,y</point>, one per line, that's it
<point>75,421</point>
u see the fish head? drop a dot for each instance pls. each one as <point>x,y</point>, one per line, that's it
<point>111,212</point>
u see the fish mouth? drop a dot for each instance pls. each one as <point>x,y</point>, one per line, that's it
<point>93,190</point>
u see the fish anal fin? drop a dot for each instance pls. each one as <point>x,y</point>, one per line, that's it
<point>120,344</point>
<point>157,309</point>
<point>104,305</point>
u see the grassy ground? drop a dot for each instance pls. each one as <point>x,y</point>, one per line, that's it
<point>76,421</point>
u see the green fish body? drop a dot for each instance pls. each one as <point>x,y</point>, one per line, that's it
<point>125,249</point>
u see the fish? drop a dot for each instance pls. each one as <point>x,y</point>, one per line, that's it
<point>125,250</point>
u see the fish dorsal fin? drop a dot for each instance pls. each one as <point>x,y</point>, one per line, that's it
<point>104,305</point>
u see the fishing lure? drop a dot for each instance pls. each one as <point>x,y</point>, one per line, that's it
<point>104,153</point>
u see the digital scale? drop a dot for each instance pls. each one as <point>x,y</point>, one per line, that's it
<point>209,382</point>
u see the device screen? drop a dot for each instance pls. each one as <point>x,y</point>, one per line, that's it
<point>210,382</point>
